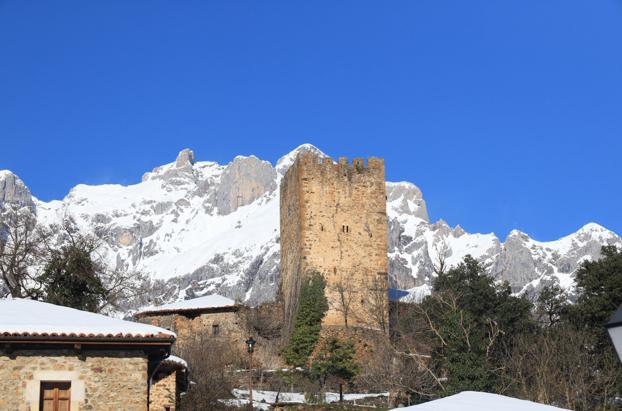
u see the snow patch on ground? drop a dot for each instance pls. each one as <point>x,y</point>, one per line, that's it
<point>269,397</point>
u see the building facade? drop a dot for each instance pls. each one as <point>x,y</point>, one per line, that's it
<point>195,320</point>
<point>333,221</point>
<point>56,358</point>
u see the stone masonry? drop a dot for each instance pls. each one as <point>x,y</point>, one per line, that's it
<point>100,381</point>
<point>334,221</point>
<point>164,393</point>
<point>191,328</point>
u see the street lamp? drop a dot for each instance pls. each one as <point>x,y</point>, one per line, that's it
<point>250,347</point>
<point>614,328</point>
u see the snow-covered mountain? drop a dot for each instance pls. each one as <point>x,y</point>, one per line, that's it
<point>203,227</point>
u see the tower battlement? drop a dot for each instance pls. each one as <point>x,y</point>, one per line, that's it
<point>333,221</point>
<point>359,164</point>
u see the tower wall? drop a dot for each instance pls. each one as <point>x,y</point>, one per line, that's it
<point>333,220</point>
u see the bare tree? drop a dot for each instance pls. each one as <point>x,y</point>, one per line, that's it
<point>442,333</point>
<point>441,253</point>
<point>120,286</point>
<point>377,302</point>
<point>346,295</point>
<point>39,257</point>
<point>401,371</point>
<point>555,366</point>
<point>22,250</point>
<point>211,373</point>
<point>26,248</point>
<point>447,302</point>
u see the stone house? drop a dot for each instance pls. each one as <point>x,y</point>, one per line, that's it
<point>211,316</point>
<point>55,358</point>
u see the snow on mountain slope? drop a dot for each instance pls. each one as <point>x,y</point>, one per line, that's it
<point>203,227</point>
<point>172,223</point>
<point>526,263</point>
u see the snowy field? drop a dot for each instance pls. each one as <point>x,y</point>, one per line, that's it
<point>263,399</point>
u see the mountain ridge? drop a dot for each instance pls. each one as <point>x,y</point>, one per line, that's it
<point>202,227</point>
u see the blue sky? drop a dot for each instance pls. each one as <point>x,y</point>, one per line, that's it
<point>507,114</point>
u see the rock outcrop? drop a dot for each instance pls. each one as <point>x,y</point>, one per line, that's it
<point>13,190</point>
<point>406,198</point>
<point>185,158</point>
<point>243,181</point>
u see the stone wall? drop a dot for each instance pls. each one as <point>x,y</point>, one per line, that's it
<point>333,220</point>
<point>163,392</point>
<point>189,328</point>
<point>101,381</point>
<point>291,243</point>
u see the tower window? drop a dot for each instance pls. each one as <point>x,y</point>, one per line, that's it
<point>215,329</point>
<point>345,229</point>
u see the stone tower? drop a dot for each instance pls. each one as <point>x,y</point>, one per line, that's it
<point>334,221</point>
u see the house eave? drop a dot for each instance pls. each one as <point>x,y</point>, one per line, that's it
<point>43,339</point>
<point>188,312</point>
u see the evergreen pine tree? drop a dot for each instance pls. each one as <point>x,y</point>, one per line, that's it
<point>471,321</point>
<point>70,279</point>
<point>600,288</point>
<point>335,359</point>
<point>551,304</point>
<point>312,306</point>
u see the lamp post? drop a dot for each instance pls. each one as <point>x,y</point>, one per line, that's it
<point>614,328</point>
<point>250,347</point>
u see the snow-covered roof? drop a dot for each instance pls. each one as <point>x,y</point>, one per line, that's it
<point>28,318</point>
<point>177,361</point>
<point>480,401</point>
<point>205,303</point>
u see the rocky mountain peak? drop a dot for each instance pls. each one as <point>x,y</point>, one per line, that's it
<point>185,158</point>
<point>406,198</point>
<point>594,228</point>
<point>13,190</point>
<point>516,235</point>
<point>458,231</point>
<point>178,173</point>
<point>288,159</point>
<point>243,181</point>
